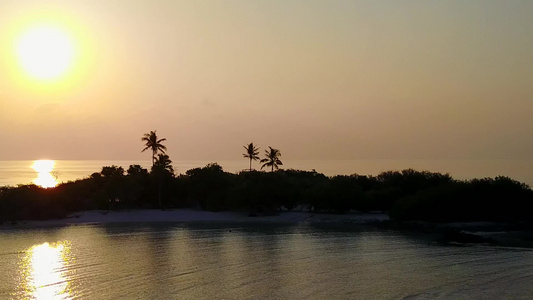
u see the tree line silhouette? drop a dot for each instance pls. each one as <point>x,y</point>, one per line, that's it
<point>404,195</point>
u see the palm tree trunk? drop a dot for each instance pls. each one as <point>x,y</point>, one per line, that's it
<point>250,165</point>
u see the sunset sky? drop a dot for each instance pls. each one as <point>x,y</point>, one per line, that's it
<point>315,79</point>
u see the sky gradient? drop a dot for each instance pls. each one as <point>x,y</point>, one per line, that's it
<point>315,79</point>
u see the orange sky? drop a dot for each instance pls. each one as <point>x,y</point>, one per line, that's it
<point>316,79</point>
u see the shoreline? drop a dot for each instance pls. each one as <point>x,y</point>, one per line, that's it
<point>191,215</point>
<point>502,234</point>
<point>464,233</point>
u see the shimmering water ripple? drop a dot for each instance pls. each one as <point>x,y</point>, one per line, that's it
<point>170,261</point>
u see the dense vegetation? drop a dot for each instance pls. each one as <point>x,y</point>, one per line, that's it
<point>405,195</point>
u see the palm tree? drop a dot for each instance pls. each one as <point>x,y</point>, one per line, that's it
<point>163,164</point>
<point>162,168</point>
<point>251,153</point>
<point>272,159</point>
<point>153,144</point>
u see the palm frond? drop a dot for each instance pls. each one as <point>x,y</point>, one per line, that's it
<point>151,142</point>
<point>271,158</point>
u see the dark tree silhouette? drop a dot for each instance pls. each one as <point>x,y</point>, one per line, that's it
<point>272,159</point>
<point>163,164</point>
<point>251,153</point>
<point>112,171</point>
<point>153,144</point>
<point>162,169</point>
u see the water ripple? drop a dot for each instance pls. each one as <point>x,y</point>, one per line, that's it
<point>219,261</point>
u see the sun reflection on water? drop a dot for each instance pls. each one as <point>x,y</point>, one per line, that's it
<point>44,272</point>
<point>44,170</point>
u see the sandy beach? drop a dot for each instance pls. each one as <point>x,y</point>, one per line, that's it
<point>190,215</point>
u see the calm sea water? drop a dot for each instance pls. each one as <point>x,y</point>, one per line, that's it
<point>239,261</point>
<point>21,171</point>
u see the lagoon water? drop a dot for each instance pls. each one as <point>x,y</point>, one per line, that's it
<point>247,261</point>
<point>21,171</point>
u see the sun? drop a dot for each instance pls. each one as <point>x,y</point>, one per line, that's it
<point>44,169</point>
<point>45,52</point>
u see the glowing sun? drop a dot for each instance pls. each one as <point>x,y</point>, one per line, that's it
<point>45,52</point>
<point>44,170</point>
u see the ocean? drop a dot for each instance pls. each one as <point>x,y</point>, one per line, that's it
<point>16,172</point>
<point>252,261</point>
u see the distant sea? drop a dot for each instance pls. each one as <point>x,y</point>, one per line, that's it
<point>21,172</point>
